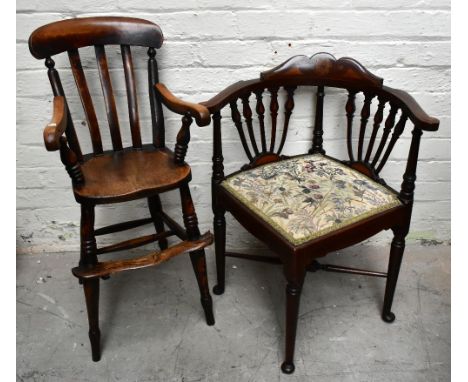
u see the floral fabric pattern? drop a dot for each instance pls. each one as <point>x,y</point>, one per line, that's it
<point>308,196</point>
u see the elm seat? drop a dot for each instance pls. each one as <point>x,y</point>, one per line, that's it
<point>129,174</point>
<point>309,196</point>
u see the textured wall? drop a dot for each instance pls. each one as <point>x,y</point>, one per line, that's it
<point>210,44</point>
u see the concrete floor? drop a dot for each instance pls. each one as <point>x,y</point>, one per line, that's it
<point>153,328</point>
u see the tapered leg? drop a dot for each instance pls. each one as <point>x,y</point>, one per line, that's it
<point>219,223</point>
<point>91,290</point>
<point>154,204</point>
<point>396,255</point>
<point>293,294</point>
<point>199,267</point>
<point>197,257</point>
<point>88,257</point>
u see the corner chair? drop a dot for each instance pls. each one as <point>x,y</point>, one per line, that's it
<point>304,207</point>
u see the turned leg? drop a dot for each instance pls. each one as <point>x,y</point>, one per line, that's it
<point>91,286</point>
<point>154,204</point>
<point>219,223</point>
<point>396,255</point>
<point>197,257</point>
<point>293,294</point>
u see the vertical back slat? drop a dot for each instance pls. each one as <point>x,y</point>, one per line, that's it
<point>157,117</point>
<point>365,112</point>
<point>57,89</point>
<point>288,108</point>
<point>236,117</point>
<point>86,101</point>
<point>317,140</point>
<point>260,109</point>
<point>247,112</point>
<point>274,114</point>
<point>397,131</point>
<point>131,95</point>
<point>389,122</point>
<point>109,100</point>
<point>378,118</point>
<point>350,109</point>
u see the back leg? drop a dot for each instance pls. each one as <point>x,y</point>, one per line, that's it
<point>155,207</point>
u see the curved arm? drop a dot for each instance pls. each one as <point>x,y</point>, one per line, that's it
<point>221,99</point>
<point>56,127</point>
<point>417,115</point>
<point>175,104</point>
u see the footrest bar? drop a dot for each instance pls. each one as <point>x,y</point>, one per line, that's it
<point>109,267</point>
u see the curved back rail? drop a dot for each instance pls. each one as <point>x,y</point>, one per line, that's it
<point>71,35</point>
<point>370,138</point>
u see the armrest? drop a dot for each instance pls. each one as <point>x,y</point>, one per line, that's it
<point>419,117</point>
<point>175,104</point>
<point>56,127</point>
<point>221,99</point>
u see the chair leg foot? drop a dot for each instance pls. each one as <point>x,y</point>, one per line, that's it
<point>95,339</point>
<point>199,267</point>
<point>288,367</point>
<point>218,290</point>
<point>396,255</point>
<point>207,304</point>
<point>293,294</point>
<point>388,317</point>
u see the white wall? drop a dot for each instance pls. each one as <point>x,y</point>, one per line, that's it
<point>210,44</point>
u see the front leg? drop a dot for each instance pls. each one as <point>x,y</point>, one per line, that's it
<point>197,257</point>
<point>394,263</point>
<point>295,280</point>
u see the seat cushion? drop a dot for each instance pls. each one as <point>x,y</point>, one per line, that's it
<point>309,196</point>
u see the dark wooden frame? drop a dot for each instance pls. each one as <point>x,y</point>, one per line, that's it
<point>321,70</point>
<point>170,172</point>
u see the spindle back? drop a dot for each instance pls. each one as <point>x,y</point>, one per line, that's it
<point>322,70</point>
<point>71,35</point>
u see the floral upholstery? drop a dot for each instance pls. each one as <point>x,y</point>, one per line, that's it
<point>308,196</point>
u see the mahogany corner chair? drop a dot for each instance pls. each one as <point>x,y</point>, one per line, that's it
<point>304,207</point>
<point>122,173</point>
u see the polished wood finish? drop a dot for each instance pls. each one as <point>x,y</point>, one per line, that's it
<point>111,108</point>
<point>110,267</point>
<point>321,71</point>
<point>61,36</point>
<point>56,127</point>
<point>123,173</point>
<point>57,90</point>
<point>86,101</point>
<point>131,95</point>
<point>157,117</point>
<point>122,226</point>
<point>130,174</point>
<point>197,111</point>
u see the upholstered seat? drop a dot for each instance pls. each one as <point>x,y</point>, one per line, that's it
<point>308,196</point>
